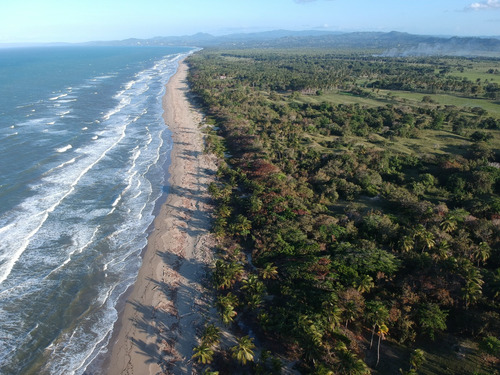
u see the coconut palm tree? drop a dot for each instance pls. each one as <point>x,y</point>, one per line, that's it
<point>366,284</point>
<point>226,273</point>
<point>407,243</point>
<point>226,305</point>
<point>473,288</point>
<point>203,354</point>
<point>244,350</point>
<point>269,271</point>
<point>333,314</point>
<point>427,239</point>
<point>241,226</point>
<point>254,290</point>
<point>347,363</point>
<point>228,314</point>
<point>211,335</point>
<point>377,314</point>
<point>442,250</point>
<point>416,359</point>
<point>481,253</point>
<point>350,312</point>
<point>449,224</point>
<point>382,331</point>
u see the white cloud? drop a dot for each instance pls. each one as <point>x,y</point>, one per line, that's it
<point>484,5</point>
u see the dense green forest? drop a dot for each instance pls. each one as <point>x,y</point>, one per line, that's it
<point>358,212</point>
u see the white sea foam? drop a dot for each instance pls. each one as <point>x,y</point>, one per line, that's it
<point>77,250</point>
<point>129,85</point>
<point>12,250</point>
<point>58,97</point>
<point>64,149</point>
<point>123,103</point>
<point>62,165</point>
<point>131,173</point>
<point>35,121</point>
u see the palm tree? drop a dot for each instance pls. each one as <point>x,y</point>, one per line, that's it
<point>226,273</point>
<point>427,239</point>
<point>407,243</point>
<point>242,226</point>
<point>481,253</point>
<point>224,211</point>
<point>366,284</point>
<point>333,314</point>
<point>351,311</point>
<point>377,314</point>
<point>473,288</point>
<point>382,331</point>
<point>308,328</point>
<point>443,249</point>
<point>211,335</point>
<point>269,271</point>
<point>424,237</point>
<point>228,314</point>
<point>203,354</point>
<point>254,289</point>
<point>311,350</point>
<point>416,359</point>
<point>449,224</point>
<point>244,350</point>
<point>226,305</point>
<point>253,283</point>
<point>347,363</point>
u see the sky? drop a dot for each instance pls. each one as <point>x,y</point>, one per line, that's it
<point>33,21</point>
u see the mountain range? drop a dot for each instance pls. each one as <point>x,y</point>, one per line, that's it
<point>384,43</point>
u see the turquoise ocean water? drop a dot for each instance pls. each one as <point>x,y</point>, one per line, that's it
<point>83,156</point>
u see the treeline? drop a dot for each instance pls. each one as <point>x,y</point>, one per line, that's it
<point>326,251</point>
<point>285,70</point>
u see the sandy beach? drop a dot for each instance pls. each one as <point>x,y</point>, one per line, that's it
<point>157,328</point>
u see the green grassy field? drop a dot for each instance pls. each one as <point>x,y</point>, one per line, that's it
<point>383,97</point>
<point>435,142</point>
<point>479,70</point>
<point>492,107</point>
<point>342,98</point>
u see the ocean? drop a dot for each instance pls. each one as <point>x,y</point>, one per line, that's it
<point>84,153</point>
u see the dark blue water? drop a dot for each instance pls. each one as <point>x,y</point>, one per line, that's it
<point>83,149</point>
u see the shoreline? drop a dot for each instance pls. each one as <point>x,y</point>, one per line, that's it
<point>158,319</point>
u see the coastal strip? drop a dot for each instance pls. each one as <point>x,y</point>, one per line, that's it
<point>168,302</point>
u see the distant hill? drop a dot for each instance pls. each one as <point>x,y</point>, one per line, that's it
<point>386,44</point>
<point>208,40</point>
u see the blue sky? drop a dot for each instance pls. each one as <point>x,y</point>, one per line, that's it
<point>84,20</point>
